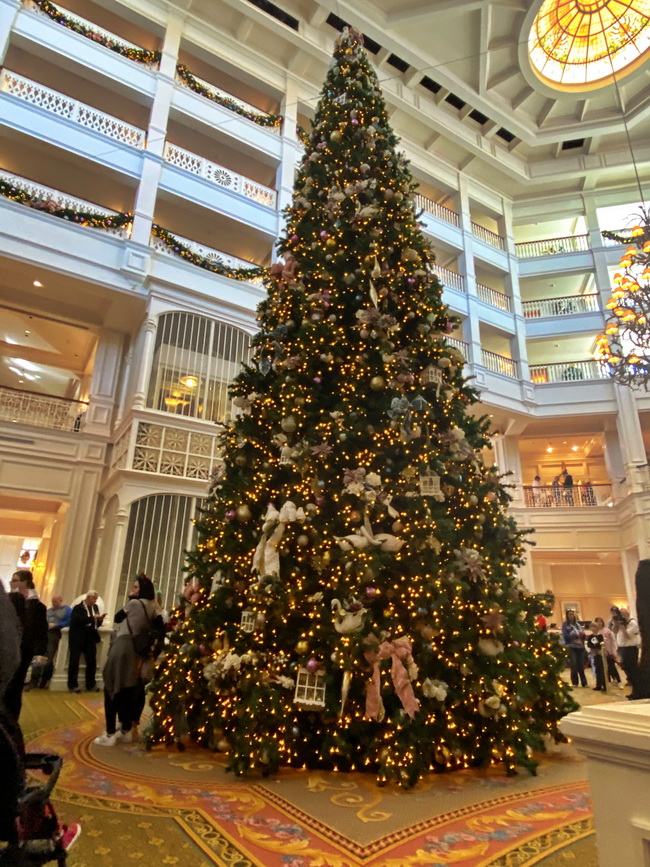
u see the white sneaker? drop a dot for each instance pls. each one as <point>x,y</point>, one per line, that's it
<point>124,737</point>
<point>105,740</point>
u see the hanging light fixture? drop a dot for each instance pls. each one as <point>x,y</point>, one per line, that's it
<point>624,348</point>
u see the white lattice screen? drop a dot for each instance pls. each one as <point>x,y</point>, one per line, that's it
<point>195,358</point>
<point>160,530</point>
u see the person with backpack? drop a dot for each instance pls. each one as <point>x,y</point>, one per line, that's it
<point>135,640</point>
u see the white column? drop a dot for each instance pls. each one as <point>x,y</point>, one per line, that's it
<point>9,9</point>
<point>506,455</point>
<point>631,438</point>
<point>290,152</point>
<point>103,383</point>
<point>471,326</point>
<point>145,200</point>
<point>142,364</point>
<point>72,575</point>
<point>111,581</point>
<point>629,562</point>
<point>124,387</point>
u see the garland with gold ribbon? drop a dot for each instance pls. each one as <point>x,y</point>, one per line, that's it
<point>260,118</point>
<point>213,264</point>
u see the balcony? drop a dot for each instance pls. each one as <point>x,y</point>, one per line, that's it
<point>552,246</point>
<point>449,279</point>
<point>210,91</point>
<point>566,372</point>
<point>488,237</point>
<point>547,307</point>
<point>71,109</point>
<point>579,496</point>
<point>81,26</point>
<point>41,410</point>
<point>50,201</point>
<point>423,203</point>
<point>493,297</point>
<point>168,450</point>
<point>209,254</point>
<point>219,175</point>
<point>499,364</point>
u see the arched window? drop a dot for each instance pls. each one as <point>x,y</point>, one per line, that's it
<point>160,530</point>
<point>195,359</point>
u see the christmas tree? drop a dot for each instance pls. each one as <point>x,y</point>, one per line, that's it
<point>353,599</point>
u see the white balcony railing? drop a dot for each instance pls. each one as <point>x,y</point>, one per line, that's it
<point>85,24</point>
<point>71,109</point>
<point>41,410</point>
<point>566,371</point>
<point>219,175</point>
<point>460,345</point>
<point>426,204</point>
<point>499,363</point>
<point>488,237</point>
<point>449,278</point>
<point>559,497</point>
<point>208,253</point>
<point>48,197</point>
<point>493,297</point>
<point>552,246</point>
<point>544,307</point>
<point>150,447</point>
<point>217,91</point>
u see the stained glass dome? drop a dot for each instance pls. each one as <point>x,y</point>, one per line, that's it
<point>581,44</point>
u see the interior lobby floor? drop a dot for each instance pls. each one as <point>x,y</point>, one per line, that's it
<point>166,807</point>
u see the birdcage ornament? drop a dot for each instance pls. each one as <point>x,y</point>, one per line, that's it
<point>429,483</point>
<point>310,689</point>
<point>248,620</point>
<point>431,375</point>
<point>286,456</point>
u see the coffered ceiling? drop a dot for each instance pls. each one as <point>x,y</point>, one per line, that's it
<point>457,81</point>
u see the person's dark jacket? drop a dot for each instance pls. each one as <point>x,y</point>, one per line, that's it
<point>83,629</point>
<point>32,615</point>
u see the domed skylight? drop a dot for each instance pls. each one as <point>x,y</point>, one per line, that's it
<point>582,44</point>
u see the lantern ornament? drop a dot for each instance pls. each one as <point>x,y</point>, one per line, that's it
<point>431,376</point>
<point>310,689</point>
<point>286,456</point>
<point>624,348</point>
<point>248,619</point>
<point>429,483</point>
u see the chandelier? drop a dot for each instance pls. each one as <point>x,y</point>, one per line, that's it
<point>624,348</point>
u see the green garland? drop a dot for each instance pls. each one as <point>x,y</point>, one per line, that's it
<point>303,135</point>
<point>214,265</point>
<point>139,55</point>
<point>620,238</point>
<point>261,119</point>
<point>81,218</point>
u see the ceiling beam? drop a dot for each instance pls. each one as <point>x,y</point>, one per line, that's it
<point>484,43</point>
<point>425,9</point>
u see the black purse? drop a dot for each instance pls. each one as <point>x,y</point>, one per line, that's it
<point>145,641</point>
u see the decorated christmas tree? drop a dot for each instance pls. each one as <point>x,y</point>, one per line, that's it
<point>353,599</point>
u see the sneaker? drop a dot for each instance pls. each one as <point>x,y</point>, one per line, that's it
<point>125,737</point>
<point>70,836</point>
<point>106,740</point>
<point>74,689</point>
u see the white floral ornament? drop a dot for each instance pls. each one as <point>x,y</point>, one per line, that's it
<point>437,689</point>
<point>490,646</point>
<point>471,563</point>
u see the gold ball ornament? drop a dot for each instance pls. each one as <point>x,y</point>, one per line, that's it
<point>243,513</point>
<point>223,746</point>
<point>377,383</point>
<point>336,135</point>
<point>302,647</point>
<point>303,540</point>
<point>241,460</point>
<point>397,527</point>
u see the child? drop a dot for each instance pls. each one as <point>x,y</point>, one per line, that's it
<point>595,643</point>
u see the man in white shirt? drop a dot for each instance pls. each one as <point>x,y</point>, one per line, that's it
<point>628,641</point>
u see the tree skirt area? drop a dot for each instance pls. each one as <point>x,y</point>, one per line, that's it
<point>170,807</point>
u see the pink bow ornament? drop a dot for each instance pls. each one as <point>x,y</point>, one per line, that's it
<point>403,669</point>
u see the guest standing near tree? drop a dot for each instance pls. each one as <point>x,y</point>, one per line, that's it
<point>58,617</point>
<point>83,639</point>
<point>33,617</point>
<point>609,650</point>
<point>628,641</point>
<point>573,638</point>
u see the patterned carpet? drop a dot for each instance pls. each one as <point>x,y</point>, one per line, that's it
<point>170,808</point>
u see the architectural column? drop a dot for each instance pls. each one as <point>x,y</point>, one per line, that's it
<point>124,388</point>
<point>471,326</point>
<point>9,9</point>
<point>506,456</point>
<point>519,347</point>
<point>631,439</point>
<point>103,383</point>
<point>142,363</point>
<point>111,580</point>
<point>290,152</point>
<point>72,576</point>
<point>145,200</point>
<point>630,561</point>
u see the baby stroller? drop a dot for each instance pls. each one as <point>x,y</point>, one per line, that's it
<point>29,828</point>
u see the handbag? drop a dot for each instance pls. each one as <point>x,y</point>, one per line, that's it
<point>144,642</point>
